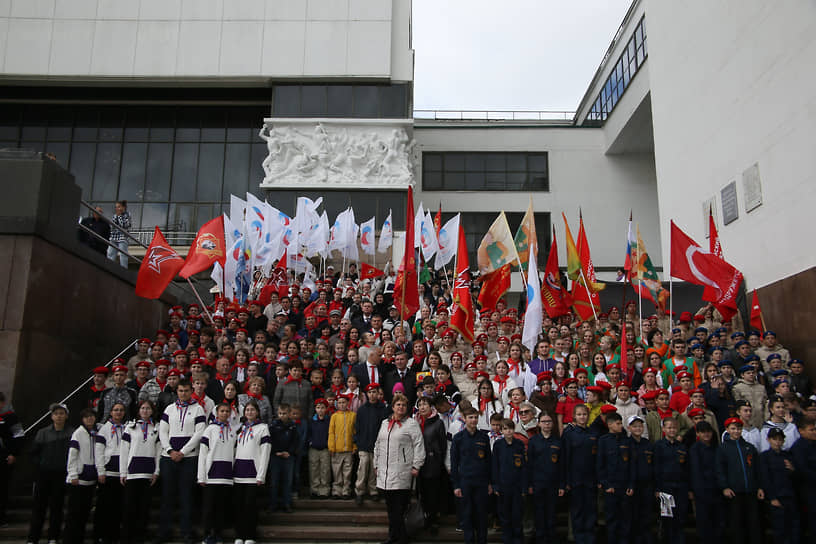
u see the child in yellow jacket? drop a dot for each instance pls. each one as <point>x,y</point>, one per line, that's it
<point>342,447</point>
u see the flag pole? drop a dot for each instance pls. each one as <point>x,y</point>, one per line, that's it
<point>445,269</point>
<point>203,306</point>
<point>591,304</point>
<point>640,308</point>
<point>671,286</point>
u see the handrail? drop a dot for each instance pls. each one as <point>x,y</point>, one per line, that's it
<point>111,223</point>
<point>494,115</point>
<point>78,389</point>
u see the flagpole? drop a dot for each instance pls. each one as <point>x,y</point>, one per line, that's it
<point>521,271</point>
<point>671,286</point>
<point>640,308</point>
<point>445,269</point>
<point>591,304</point>
<point>203,306</point>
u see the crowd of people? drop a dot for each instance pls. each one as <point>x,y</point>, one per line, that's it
<point>329,393</point>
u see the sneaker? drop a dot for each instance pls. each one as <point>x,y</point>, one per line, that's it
<point>239,541</point>
<point>249,542</point>
<point>52,542</point>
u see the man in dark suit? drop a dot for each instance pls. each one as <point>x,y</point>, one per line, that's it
<point>370,370</point>
<point>362,322</point>
<point>399,373</point>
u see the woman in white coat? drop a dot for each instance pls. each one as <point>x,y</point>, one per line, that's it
<point>399,453</point>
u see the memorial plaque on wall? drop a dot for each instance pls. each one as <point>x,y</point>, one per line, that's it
<point>728,196</point>
<point>751,188</point>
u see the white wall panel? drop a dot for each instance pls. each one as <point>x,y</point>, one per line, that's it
<point>199,46</point>
<point>156,48</point>
<point>72,47</point>
<point>241,47</point>
<point>114,48</point>
<point>27,46</point>
<point>116,9</point>
<point>283,47</point>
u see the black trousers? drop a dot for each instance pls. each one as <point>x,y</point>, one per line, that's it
<point>708,507</point>
<point>583,503</point>
<point>743,518</point>
<point>178,481</point>
<point>474,513</point>
<point>138,495</point>
<point>216,507</point>
<point>49,496</point>
<point>80,498</point>
<point>644,505</point>
<point>544,501</point>
<point>108,514</point>
<point>5,480</point>
<point>431,496</point>
<point>245,499</point>
<point>397,502</point>
<point>785,521</point>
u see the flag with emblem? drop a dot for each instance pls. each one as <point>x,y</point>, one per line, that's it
<point>525,236</point>
<point>160,265</point>
<point>553,294</point>
<point>494,286</point>
<point>497,248</point>
<point>448,241</point>
<point>462,318</point>
<point>386,235</point>
<point>367,271</point>
<point>406,285</point>
<point>587,266</point>
<point>648,284</point>
<point>367,237</point>
<point>573,261</point>
<point>208,247</point>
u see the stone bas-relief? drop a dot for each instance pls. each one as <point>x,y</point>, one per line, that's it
<point>324,154</point>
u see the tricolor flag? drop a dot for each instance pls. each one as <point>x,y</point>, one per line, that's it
<point>648,284</point>
<point>533,318</point>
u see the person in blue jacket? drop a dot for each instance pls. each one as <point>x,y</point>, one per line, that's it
<point>804,461</point>
<point>643,499</point>
<point>545,477</point>
<point>776,479</point>
<point>470,475</point>
<point>616,478</point>
<point>580,449</point>
<point>737,477</point>
<point>509,477</point>
<point>672,477</point>
<point>708,501</point>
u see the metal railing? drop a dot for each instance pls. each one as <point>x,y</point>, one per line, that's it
<point>114,225</point>
<point>173,237</point>
<point>553,116</point>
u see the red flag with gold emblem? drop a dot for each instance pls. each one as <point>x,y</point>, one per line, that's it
<point>367,271</point>
<point>462,317</point>
<point>406,286</point>
<point>494,286</point>
<point>207,248</point>
<point>160,265</point>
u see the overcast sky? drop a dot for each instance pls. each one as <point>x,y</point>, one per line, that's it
<point>515,54</point>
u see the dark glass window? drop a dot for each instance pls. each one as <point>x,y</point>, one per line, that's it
<point>476,171</point>
<point>362,101</point>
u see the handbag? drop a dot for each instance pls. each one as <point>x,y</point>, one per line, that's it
<point>415,515</point>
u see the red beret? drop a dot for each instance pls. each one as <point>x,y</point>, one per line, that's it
<point>696,412</point>
<point>179,352</point>
<point>174,372</point>
<point>662,392</point>
<point>503,339</point>
<point>119,368</point>
<point>622,383</point>
<point>699,318</point>
<point>605,385</point>
<point>699,390</point>
<point>480,358</point>
<point>481,337</point>
<point>372,386</point>
<point>143,364</point>
<point>515,337</point>
<point>162,362</point>
<point>481,374</point>
<point>508,319</point>
<point>322,401</point>
<point>650,370</point>
<point>144,340</point>
<point>478,342</point>
<point>684,374</point>
<point>613,365</point>
<point>650,395</point>
<point>174,335</point>
<point>569,381</point>
<point>101,370</point>
<point>685,317</point>
<point>734,420</point>
<point>608,409</point>
<point>449,332</point>
<point>161,331</point>
<point>470,365</point>
<point>543,376</point>
<point>581,370</point>
<point>194,331</point>
<point>241,329</point>
<point>595,389</point>
<point>119,361</point>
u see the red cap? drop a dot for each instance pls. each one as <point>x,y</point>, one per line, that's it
<point>650,370</point>
<point>470,365</point>
<point>622,383</point>
<point>543,376</point>
<point>162,362</point>
<point>508,319</point>
<point>372,386</point>
<point>503,339</point>
<point>685,317</point>
<point>179,352</point>
<point>101,370</point>
<point>605,385</point>
<point>696,412</point>
<point>662,392</point>
<point>481,374</point>
<point>608,409</point>
<point>699,318</point>
<point>144,340</point>
<point>174,372</point>
<point>650,395</point>
<point>479,342</point>
<point>697,390</point>
<point>569,381</point>
<point>480,358</point>
<point>613,365</point>
<point>143,364</point>
<point>243,330</point>
<point>449,332</point>
<point>581,370</point>
<point>119,368</point>
<point>322,401</point>
<point>515,337</point>
<point>597,389</point>
<point>734,420</point>
<point>684,374</point>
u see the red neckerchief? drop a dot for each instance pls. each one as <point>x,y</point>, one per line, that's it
<point>336,389</point>
<point>513,365</point>
<point>239,365</point>
<point>501,381</point>
<point>324,337</point>
<point>446,383</point>
<point>388,360</point>
<point>514,412</point>
<point>223,377</point>
<point>422,421</point>
<point>200,400</point>
<point>482,405</point>
<point>257,396</point>
<point>291,379</point>
<point>140,384</point>
<point>318,388</point>
<point>342,335</point>
<point>354,344</point>
<point>392,421</point>
<point>161,384</point>
<point>97,390</point>
<point>338,362</point>
<point>664,413</point>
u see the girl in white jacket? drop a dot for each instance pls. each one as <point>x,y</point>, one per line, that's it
<point>108,513</point>
<point>139,469</point>
<point>249,472</point>
<point>81,477</point>
<point>216,455</point>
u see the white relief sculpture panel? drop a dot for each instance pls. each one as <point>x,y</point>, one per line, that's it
<point>337,154</point>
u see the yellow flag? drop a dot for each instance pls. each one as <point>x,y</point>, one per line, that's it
<point>497,247</point>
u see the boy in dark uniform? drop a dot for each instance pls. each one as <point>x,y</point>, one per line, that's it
<point>616,478</point>
<point>672,477</point>
<point>776,479</point>
<point>804,461</point>
<point>737,477</point>
<point>580,449</point>
<point>708,501</point>
<point>643,499</point>
<point>545,476</point>
<point>509,476</point>
<point>470,475</point>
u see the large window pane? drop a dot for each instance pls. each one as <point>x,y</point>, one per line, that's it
<point>83,157</point>
<point>106,173</point>
<point>181,217</point>
<point>314,100</point>
<point>188,123</point>
<point>159,167</point>
<point>236,171</point>
<point>154,215</point>
<point>340,100</point>
<point>210,172</point>
<point>394,101</point>
<point>131,180</point>
<point>185,162</point>
<point>137,125</point>
<point>110,124</point>
<point>256,173</point>
<point>213,125</point>
<point>484,171</point>
<point>61,150</point>
<point>365,101</point>
<point>286,101</point>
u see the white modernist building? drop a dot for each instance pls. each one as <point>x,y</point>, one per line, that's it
<point>176,104</point>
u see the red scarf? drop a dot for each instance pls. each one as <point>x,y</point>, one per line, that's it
<point>257,396</point>
<point>291,379</point>
<point>200,400</point>
<point>223,377</point>
<point>513,366</point>
<point>392,421</point>
<point>98,390</point>
<point>514,412</point>
<point>501,381</point>
<point>338,362</point>
<point>665,413</point>
<point>161,384</point>
<point>422,421</point>
<point>482,405</point>
<point>337,389</point>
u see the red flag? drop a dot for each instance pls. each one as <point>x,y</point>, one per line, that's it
<point>207,248</point>
<point>552,292</point>
<point>279,280</point>
<point>713,237</point>
<point>462,318</point>
<point>624,348</point>
<point>756,314</point>
<point>588,278</point>
<point>438,221</point>
<point>367,271</point>
<point>582,300</point>
<point>406,286</point>
<point>494,286</point>
<point>160,265</point>
<point>692,263</point>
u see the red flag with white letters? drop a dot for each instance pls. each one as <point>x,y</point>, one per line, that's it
<point>160,265</point>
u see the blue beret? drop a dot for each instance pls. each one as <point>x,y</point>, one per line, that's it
<point>753,333</point>
<point>752,358</point>
<point>800,361</point>
<point>746,368</point>
<point>779,372</point>
<point>738,334</point>
<point>720,329</point>
<point>712,349</point>
<point>700,329</point>
<point>726,362</point>
<point>741,343</point>
<point>778,381</point>
<point>696,345</point>
<point>674,330</point>
<point>768,333</point>
<point>772,356</point>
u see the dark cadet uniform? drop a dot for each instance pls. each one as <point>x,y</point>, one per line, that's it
<point>615,470</point>
<point>580,449</point>
<point>545,475</point>
<point>672,477</point>
<point>737,469</point>
<point>470,472</point>
<point>777,482</point>
<point>804,459</point>
<point>708,498</point>
<point>643,501</point>
<point>509,475</point>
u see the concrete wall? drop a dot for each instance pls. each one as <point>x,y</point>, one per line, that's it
<point>248,39</point>
<point>606,187</point>
<point>732,85</point>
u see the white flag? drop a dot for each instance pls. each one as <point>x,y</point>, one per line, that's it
<point>237,207</point>
<point>386,235</point>
<point>419,219</point>
<point>532,317</point>
<point>448,242</point>
<point>319,237</point>
<point>351,252</point>
<point>428,237</point>
<point>367,237</point>
<point>217,276</point>
<point>305,219</point>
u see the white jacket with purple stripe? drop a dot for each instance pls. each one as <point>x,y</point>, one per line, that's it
<point>181,428</point>
<point>216,453</point>
<point>81,456</point>
<point>141,451</point>
<point>108,445</point>
<point>252,453</point>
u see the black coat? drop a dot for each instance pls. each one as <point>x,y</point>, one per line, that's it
<point>436,445</point>
<point>390,379</point>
